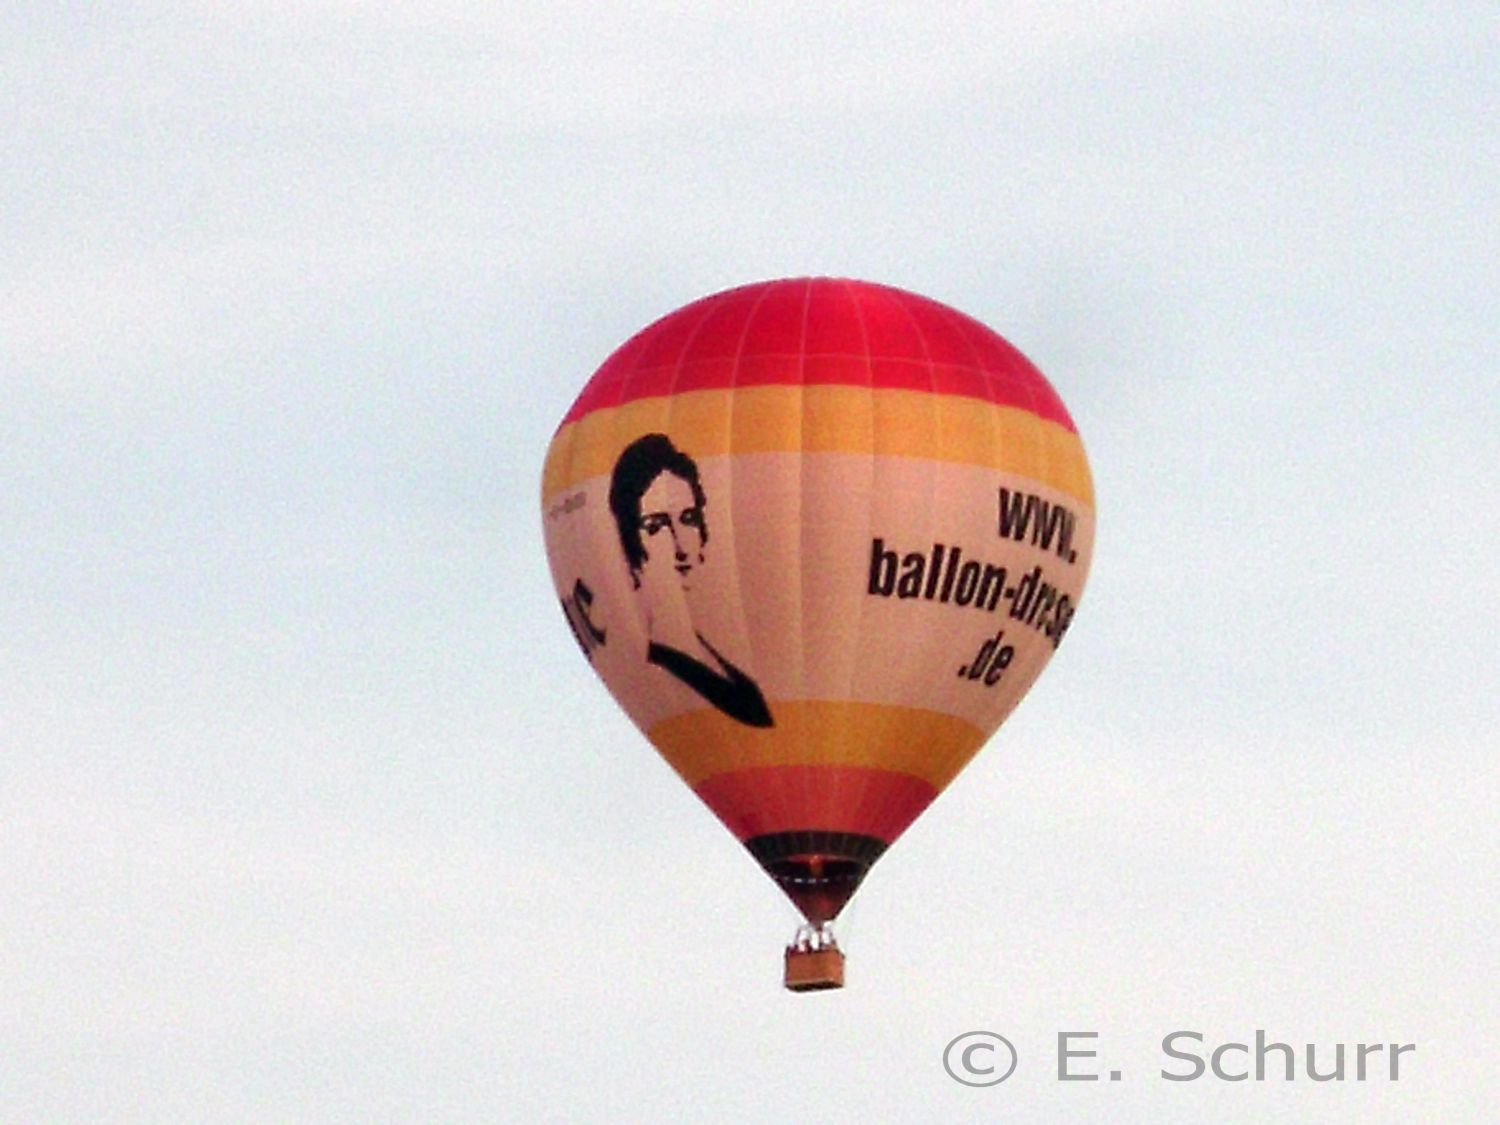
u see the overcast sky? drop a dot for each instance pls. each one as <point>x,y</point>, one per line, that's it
<point>309,807</point>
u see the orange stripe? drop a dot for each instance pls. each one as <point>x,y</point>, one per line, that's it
<point>826,419</point>
<point>926,745</point>
<point>816,798</point>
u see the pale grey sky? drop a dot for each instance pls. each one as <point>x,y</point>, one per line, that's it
<point>310,809</point>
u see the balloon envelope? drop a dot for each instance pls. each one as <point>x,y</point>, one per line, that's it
<point>818,537</point>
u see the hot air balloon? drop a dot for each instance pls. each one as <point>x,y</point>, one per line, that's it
<point>818,537</point>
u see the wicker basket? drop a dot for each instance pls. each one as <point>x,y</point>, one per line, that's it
<point>808,970</point>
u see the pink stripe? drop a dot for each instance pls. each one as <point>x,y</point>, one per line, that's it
<point>811,331</point>
<point>857,799</point>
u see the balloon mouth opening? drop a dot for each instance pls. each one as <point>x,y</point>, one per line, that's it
<point>818,885</point>
<point>818,871</point>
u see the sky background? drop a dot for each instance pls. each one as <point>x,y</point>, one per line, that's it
<point>309,807</point>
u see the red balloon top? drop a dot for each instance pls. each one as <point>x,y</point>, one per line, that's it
<point>809,331</point>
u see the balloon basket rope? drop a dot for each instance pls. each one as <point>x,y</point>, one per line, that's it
<point>814,961</point>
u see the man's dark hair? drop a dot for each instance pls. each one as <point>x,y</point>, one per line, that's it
<point>643,460</point>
